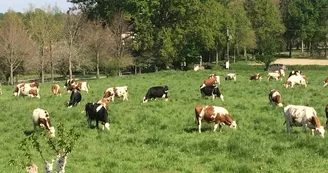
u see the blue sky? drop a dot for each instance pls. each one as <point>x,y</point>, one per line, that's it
<point>23,5</point>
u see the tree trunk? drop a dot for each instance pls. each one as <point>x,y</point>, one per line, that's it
<point>42,64</point>
<point>245,52</point>
<point>217,57</point>
<point>51,63</point>
<point>302,46</point>
<point>70,59</point>
<point>97,65</point>
<point>11,74</point>
<point>290,48</point>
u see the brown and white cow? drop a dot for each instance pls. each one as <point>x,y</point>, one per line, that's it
<point>55,88</point>
<point>27,89</point>
<point>305,116</point>
<point>277,75</point>
<point>121,91</point>
<point>256,76</point>
<point>72,84</point>
<point>212,80</point>
<point>41,118</point>
<point>295,80</point>
<point>275,98</point>
<point>325,82</point>
<point>219,115</point>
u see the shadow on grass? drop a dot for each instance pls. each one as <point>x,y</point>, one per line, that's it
<point>195,129</point>
<point>28,132</point>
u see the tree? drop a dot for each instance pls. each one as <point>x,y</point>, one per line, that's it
<point>15,44</point>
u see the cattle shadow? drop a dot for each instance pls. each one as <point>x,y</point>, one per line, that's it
<point>28,132</point>
<point>195,129</point>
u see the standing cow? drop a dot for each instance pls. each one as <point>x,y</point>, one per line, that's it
<point>41,118</point>
<point>219,115</point>
<point>275,98</point>
<point>72,84</point>
<point>156,92</point>
<point>75,98</point>
<point>211,91</point>
<point>27,89</point>
<point>298,115</point>
<point>212,80</point>
<point>231,76</point>
<point>97,112</point>
<point>112,92</point>
<point>256,76</point>
<point>55,89</point>
<point>295,80</point>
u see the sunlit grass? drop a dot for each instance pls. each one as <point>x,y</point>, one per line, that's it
<point>161,136</point>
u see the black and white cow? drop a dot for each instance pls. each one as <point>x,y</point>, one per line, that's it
<point>295,72</point>
<point>75,98</point>
<point>211,91</point>
<point>156,92</point>
<point>97,112</point>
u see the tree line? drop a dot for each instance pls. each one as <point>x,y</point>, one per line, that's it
<point>110,35</point>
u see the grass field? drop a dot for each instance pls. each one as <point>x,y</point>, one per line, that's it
<point>161,136</point>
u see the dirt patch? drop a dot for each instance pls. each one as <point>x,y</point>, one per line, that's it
<point>289,61</point>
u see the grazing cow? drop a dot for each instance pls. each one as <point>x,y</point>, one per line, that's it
<point>326,111</point>
<point>231,76</point>
<point>212,80</point>
<point>277,75</point>
<point>297,115</point>
<point>112,92</point>
<point>73,84</point>
<point>156,92</point>
<point>325,82</point>
<point>211,91</point>
<point>219,115</point>
<point>295,79</point>
<point>75,98</point>
<point>55,88</point>
<point>295,72</point>
<point>27,89</point>
<point>97,112</point>
<point>275,98</point>
<point>41,118</point>
<point>256,76</point>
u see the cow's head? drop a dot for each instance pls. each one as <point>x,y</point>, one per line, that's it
<point>320,131</point>
<point>233,125</point>
<point>287,83</point>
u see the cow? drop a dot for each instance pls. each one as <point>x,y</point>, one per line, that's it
<point>72,84</point>
<point>97,112</point>
<point>326,111</point>
<point>212,80</point>
<point>231,76</point>
<point>305,116</point>
<point>156,92</point>
<point>121,91</point>
<point>256,76</point>
<point>276,75</point>
<point>211,91</point>
<point>295,79</point>
<point>281,72</point>
<point>275,97</point>
<point>325,82</point>
<point>295,72</point>
<point>219,115</point>
<point>75,98</point>
<point>27,89</point>
<point>41,118</point>
<point>55,89</point>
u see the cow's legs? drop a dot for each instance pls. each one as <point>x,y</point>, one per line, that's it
<point>89,122</point>
<point>199,125</point>
<point>97,123</point>
<point>304,127</point>
<point>215,127</point>
<point>288,127</point>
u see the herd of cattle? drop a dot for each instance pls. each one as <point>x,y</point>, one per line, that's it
<point>295,115</point>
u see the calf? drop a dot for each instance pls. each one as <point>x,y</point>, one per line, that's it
<point>156,92</point>
<point>41,118</point>
<point>97,112</point>
<point>55,89</point>
<point>275,98</point>
<point>75,98</point>
<point>219,115</point>
<point>256,76</point>
<point>231,76</point>
<point>211,91</point>
<point>304,116</point>
<point>112,92</point>
<point>295,79</point>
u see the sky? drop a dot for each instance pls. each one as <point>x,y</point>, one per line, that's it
<point>23,5</point>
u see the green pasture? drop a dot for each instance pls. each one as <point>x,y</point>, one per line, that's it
<point>160,136</point>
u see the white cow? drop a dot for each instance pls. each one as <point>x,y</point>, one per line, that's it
<point>41,118</point>
<point>295,79</point>
<point>121,91</point>
<point>231,76</point>
<point>305,116</point>
<point>277,75</point>
<point>219,115</point>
